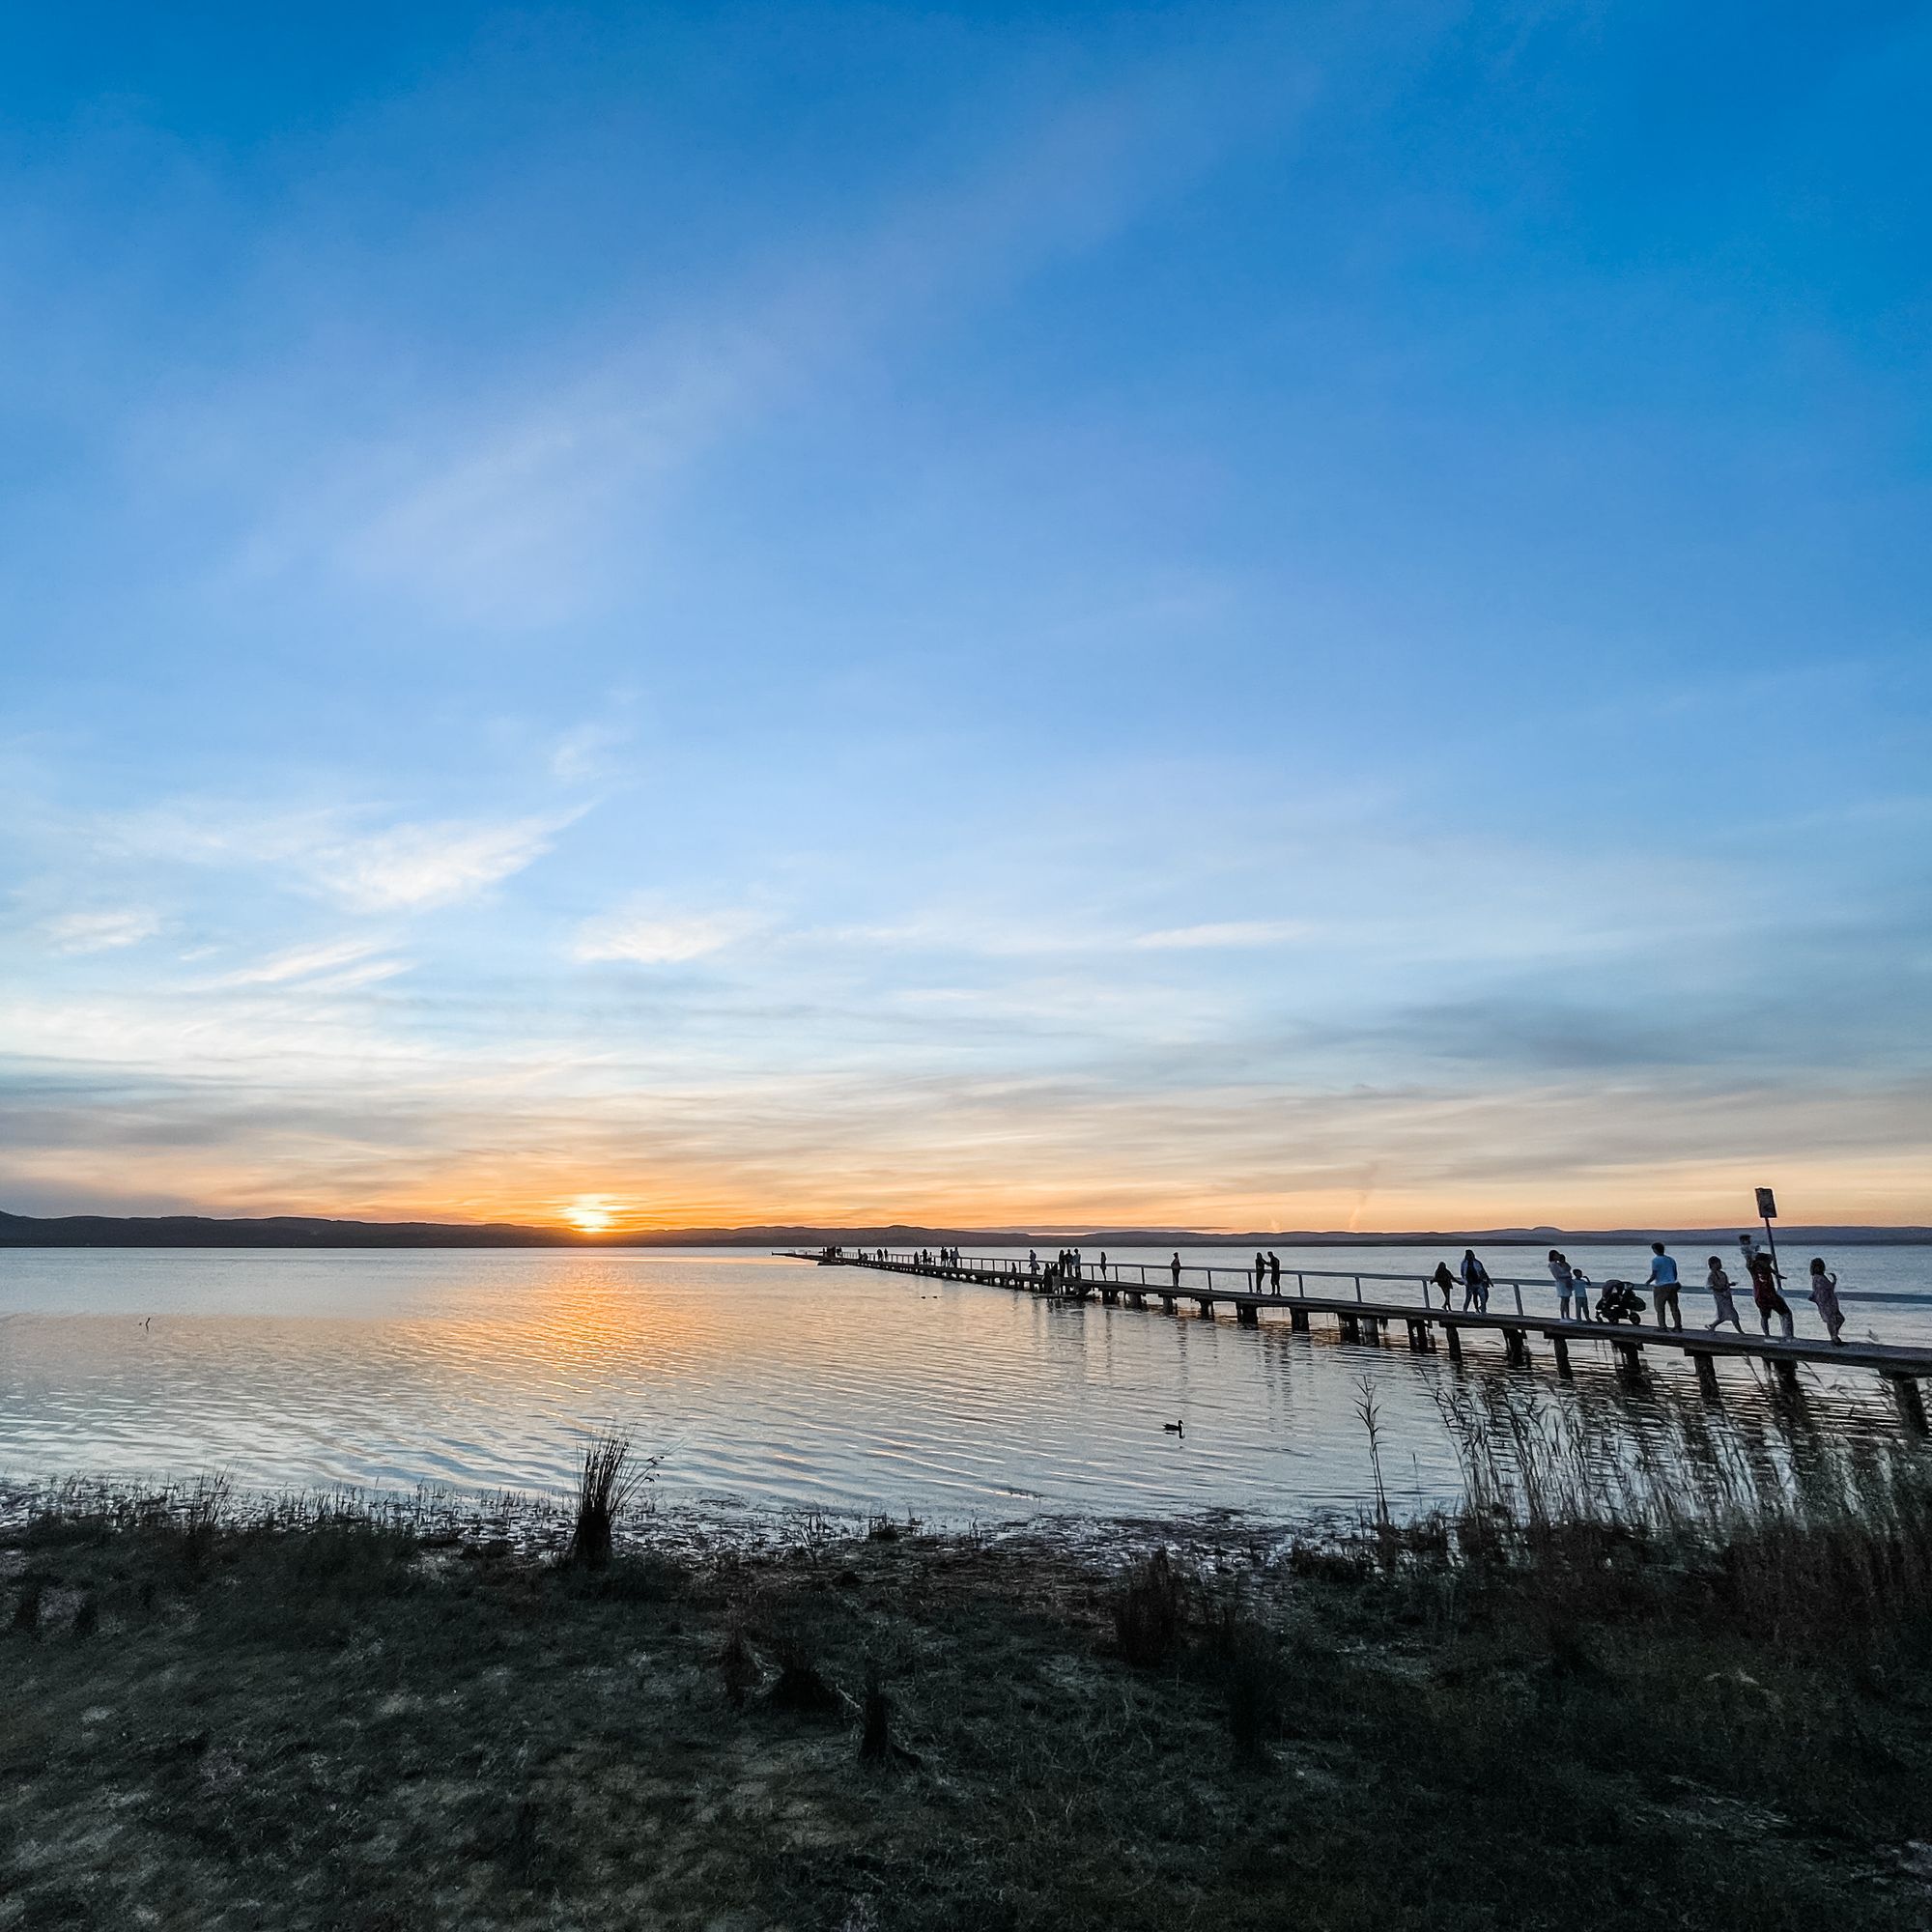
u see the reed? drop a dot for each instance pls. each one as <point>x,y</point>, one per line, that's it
<point>608,1482</point>
<point>1792,1539</point>
<point>1149,1612</point>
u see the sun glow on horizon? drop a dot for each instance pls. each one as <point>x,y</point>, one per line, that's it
<point>592,1213</point>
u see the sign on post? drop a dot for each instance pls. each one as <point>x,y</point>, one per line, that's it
<point>1767,1204</point>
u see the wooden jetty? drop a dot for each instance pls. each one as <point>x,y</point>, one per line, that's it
<point>1361,1317</point>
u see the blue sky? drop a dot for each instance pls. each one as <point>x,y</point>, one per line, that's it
<point>1245,617</point>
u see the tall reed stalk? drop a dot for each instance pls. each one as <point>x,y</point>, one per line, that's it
<point>607,1485</point>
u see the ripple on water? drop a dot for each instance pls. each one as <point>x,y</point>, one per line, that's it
<point>768,1382</point>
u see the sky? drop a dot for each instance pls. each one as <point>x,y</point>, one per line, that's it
<point>1235,616</point>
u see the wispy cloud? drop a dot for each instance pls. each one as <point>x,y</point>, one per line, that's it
<point>99,931</point>
<point>585,754</point>
<point>301,962</point>
<point>647,939</point>
<point>417,866</point>
<point>401,867</point>
<point>1225,933</point>
<point>506,512</point>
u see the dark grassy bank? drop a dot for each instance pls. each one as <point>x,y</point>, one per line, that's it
<point>1525,1716</point>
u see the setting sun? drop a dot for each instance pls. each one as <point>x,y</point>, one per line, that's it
<point>591,1213</point>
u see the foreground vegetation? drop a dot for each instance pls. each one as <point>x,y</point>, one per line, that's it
<point>1568,1705</point>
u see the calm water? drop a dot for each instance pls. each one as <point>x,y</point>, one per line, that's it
<point>766,1383</point>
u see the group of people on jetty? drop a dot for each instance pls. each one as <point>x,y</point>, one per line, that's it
<point>1619,1300</point>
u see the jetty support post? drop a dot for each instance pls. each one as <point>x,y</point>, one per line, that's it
<point>1418,1334</point>
<point>1560,1349</point>
<point>1351,1329</point>
<point>1632,1354</point>
<point>1455,1337</point>
<point>1516,1352</point>
<point>1787,1372</point>
<point>1297,1320</point>
<point>1706,1366</point>
<point>1166,1305</point>
<point>1248,1314</point>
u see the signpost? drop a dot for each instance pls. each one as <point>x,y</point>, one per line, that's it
<point>1767,1209</point>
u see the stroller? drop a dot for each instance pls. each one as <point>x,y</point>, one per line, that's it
<point>1619,1301</point>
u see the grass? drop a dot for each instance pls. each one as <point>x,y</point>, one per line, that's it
<point>1578,1700</point>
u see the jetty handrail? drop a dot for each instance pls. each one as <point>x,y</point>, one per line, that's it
<point>1158,1278</point>
<point>1117,1270</point>
<point>1203,1280</point>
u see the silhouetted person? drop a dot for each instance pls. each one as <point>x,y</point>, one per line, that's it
<point>1664,1285</point>
<point>1764,1291</point>
<point>1475,1282</point>
<point>1260,1269</point>
<point>1825,1298</point>
<point>1274,1272</point>
<point>1445,1281</point>
<point>1173,1268</point>
<point>1719,1285</point>
<point>1564,1278</point>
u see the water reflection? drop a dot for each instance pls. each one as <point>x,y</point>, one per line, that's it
<point>768,1382</point>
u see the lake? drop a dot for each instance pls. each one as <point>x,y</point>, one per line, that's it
<point>766,1383</point>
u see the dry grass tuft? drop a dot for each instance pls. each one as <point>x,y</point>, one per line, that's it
<point>608,1482</point>
<point>1149,1612</point>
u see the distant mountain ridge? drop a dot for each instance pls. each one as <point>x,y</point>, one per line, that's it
<point>308,1230</point>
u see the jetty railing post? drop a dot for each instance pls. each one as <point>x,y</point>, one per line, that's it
<point>1515,1289</point>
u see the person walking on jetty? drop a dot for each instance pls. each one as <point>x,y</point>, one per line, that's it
<point>1719,1285</point>
<point>1764,1291</point>
<point>1173,1268</point>
<point>1274,1272</point>
<point>1445,1281</point>
<point>1664,1285</point>
<point>1260,1269</point>
<point>1475,1284</point>
<point>1824,1299</point>
<point>1032,1260</point>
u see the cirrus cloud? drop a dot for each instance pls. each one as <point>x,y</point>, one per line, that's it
<point>647,939</point>
<point>101,931</point>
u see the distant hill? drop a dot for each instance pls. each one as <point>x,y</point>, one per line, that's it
<point>307,1231</point>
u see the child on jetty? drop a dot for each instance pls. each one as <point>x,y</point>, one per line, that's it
<point>1719,1285</point>
<point>1824,1299</point>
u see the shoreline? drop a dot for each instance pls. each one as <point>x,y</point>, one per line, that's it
<point>1556,1715</point>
